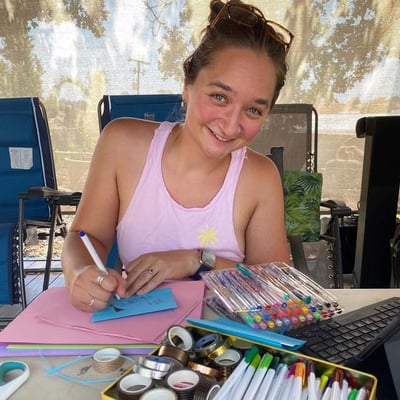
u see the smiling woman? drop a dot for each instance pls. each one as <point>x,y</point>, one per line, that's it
<point>186,197</point>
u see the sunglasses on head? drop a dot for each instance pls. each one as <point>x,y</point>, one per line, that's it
<point>251,16</point>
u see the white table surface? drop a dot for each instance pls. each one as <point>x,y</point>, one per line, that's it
<point>40,386</point>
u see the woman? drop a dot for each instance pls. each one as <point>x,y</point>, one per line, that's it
<point>189,196</point>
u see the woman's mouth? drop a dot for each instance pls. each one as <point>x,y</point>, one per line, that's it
<point>220,138</point>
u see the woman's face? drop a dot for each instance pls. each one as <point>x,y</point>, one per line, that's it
<point>229,100</point>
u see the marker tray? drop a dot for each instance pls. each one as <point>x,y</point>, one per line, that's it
<point>213,351</point>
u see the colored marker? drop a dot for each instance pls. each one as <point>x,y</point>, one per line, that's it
<point>362,394</point>
<point>345,390</point>
<point>311,381</point>
<point>268,378</point>
<point>242,385</point>
<point>353,394</point>
<point>323,381</point>
<point>280,376</point>
<point>237,374</point>
<point>299,378</point>
<point>93,253</point>
<point>258,377</point>
<point>337,384</point>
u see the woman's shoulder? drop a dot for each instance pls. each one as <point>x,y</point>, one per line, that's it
<point>261,162</point>
<point>127,127</point>
<point>259,171</point>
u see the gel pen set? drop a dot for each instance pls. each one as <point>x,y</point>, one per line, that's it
<point>274,297</point>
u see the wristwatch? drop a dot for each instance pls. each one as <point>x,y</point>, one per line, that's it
<point>207,263</point>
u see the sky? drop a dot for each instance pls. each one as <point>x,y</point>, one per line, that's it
<point>66,50</point>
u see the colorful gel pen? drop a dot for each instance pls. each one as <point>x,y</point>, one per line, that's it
<point>255,384</point>
<point>93,253</point>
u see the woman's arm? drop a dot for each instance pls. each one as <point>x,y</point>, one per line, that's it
<point>97,215</point>
<point>265,236</point>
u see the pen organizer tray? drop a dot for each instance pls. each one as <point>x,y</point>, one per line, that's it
<point>273,297</point>
<point>194,363</point>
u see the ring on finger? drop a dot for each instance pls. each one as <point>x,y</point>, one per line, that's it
<point>151,271</point>
<point>91,304</point>
<point>100,279</point>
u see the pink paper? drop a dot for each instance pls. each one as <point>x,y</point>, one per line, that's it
<point>52,319</point>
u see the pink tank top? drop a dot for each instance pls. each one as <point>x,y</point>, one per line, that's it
<point>154,221</point>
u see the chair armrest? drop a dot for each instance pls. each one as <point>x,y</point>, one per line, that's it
<point>57,197</point>
<point>298,255</point>
<point>337,208</point>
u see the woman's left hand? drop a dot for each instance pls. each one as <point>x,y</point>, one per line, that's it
<point>149,270</point>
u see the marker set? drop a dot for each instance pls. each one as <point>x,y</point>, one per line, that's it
<point>201,364</point>
<point>273,297</point>
<point>273,377</point>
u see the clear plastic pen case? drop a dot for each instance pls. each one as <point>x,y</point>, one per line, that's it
<point>274,297</point>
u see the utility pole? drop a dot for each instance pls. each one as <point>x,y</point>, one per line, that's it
<point>138,70</point>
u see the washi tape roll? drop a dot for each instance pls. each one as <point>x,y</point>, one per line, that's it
<point>157,363</point>
<point>220,349</point>
<point>183,383</point>
<point>175,353</point>
<point>107,360</point>
<point>132,386</point>
<point>226,363</point>
<point>203,369</point>
<point>149,373</point>
<point>207,394</point>
<point>159,394</point>
<point>208,344</point>
<point>206,384</point>
<point>178,336</point>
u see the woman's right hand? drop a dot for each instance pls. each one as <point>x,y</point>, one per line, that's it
<point>91,289</point>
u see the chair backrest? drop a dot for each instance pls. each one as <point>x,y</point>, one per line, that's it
<point>155,107</point>
<point>26,157</point>
<point>26,160</point>
<point>295,128</point>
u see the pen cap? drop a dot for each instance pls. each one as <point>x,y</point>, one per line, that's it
<point>251,354</point>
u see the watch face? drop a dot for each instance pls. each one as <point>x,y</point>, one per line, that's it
<point>208,258</point>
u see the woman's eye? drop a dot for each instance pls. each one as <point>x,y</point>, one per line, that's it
<point>254,111</point>
<point>219,97</point>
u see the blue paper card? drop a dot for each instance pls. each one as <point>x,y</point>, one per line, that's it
<point>156,300</point>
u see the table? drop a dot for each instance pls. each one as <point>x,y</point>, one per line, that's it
<point>40,386</point>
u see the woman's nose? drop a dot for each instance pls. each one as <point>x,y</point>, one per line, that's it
<point>232,123</point>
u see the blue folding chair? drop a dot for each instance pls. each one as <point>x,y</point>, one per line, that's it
<point>29,196</point>
<point>155,107</point>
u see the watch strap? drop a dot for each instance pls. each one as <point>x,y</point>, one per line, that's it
<point>196,276</point>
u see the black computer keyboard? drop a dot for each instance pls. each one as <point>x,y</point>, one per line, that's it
<point>352,337</point>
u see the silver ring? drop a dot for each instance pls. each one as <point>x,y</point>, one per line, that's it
<point>150,271</point>
<point>91,304</point>
<point>100,279</point>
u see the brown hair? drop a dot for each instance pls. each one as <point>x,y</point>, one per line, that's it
<point>259,37</point>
